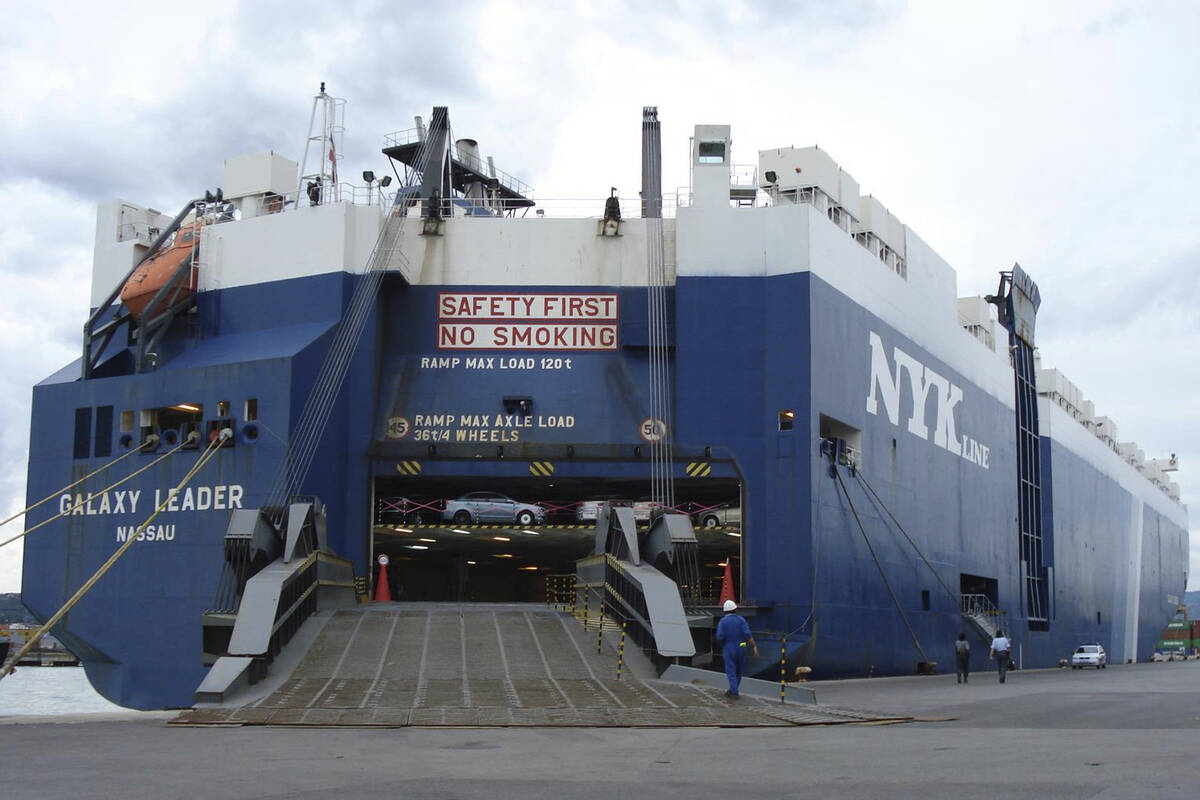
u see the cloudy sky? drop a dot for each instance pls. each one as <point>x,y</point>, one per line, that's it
<point>1065,136</point>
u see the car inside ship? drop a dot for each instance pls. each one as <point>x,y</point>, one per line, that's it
<point>479,540</point>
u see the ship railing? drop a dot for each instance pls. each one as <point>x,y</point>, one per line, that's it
<point>513,184</point>
<point>401,138</point>
<point>980,332</point>
<point>343,192</point>
<point>575,207</point>
<point>979,605</point>
<point>741,196</point>
<point>981,609</point>
<point>744,177</point>
<point>552,208</point>
<point>370,195</point>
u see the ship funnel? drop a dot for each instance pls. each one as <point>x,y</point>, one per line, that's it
<point>467,152</point>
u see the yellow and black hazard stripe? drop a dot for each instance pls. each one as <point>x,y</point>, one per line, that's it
<point>541,469</point>
<point>699,469</point>
<point>409,467</point>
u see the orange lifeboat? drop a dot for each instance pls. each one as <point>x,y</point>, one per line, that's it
<point>155,272</point>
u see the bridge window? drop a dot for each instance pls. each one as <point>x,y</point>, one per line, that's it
<point>711,152</point>
<point>786,418</point>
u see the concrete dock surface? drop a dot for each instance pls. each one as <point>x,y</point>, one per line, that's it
<point>1117,733</point>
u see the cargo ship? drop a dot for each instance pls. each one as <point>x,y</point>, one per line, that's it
<point>297,391</point>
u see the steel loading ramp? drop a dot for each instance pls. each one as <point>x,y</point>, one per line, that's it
<point>430,664</point>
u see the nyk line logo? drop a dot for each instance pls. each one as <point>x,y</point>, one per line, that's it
<point>885,385</point>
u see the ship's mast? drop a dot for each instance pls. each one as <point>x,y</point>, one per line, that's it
<point>326,130</point>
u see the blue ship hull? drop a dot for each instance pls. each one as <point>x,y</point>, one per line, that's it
<point>824,565</point>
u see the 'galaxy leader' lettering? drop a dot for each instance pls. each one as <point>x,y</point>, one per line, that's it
<point>885,385</point>
<point>219,497</point>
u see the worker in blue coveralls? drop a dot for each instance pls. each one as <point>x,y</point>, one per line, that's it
<point>733,635</point>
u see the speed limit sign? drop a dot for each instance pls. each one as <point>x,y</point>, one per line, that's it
<point>653,430</point>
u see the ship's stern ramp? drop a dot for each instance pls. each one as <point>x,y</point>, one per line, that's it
<point>616,580</point>
<point>272,581</point>
<point>488,664</point>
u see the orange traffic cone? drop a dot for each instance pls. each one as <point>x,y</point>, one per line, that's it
<point>727,585</point>
<point>383,592</point>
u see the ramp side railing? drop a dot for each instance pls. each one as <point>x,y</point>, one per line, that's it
<point>300,578</point>
<point>640,596</point>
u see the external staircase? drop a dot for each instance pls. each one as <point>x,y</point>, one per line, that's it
<point>982,613</point>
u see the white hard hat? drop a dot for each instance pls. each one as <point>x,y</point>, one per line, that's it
<point>729,606</point>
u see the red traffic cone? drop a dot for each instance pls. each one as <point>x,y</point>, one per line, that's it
<point>727,585</point>
<point>383,592</point>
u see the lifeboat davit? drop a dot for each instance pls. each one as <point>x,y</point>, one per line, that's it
<point>157,271</point>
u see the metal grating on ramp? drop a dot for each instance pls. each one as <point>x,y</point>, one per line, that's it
<point>440,664</point>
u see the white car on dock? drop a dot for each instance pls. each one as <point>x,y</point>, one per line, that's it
<point>1089,655</point>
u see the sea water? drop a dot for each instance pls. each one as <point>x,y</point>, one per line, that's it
<point>44,691</point>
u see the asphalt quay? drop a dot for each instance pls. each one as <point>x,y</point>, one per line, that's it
<point>1117,733</point>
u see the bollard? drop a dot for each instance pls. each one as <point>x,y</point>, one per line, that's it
<point>574,601</point>
<point>621,650</point>
<point>600,631</point>
<point>587,590</point>
<point>783,668</point>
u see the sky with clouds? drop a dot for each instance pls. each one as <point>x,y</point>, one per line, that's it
<point>1065,136</point>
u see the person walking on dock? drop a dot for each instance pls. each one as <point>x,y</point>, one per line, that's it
<point>1001,650</point>
<point>962,657</point>
<point>733,635</point>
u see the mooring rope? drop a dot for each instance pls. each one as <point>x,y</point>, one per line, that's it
<point>132,537</point>
<point>58,492</point>
<point>899,527</point>
<point>190,438</point>
<point>895,600</point>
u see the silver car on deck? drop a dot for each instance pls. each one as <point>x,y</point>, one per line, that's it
<point>719,517</point>
<point>476,507</point>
